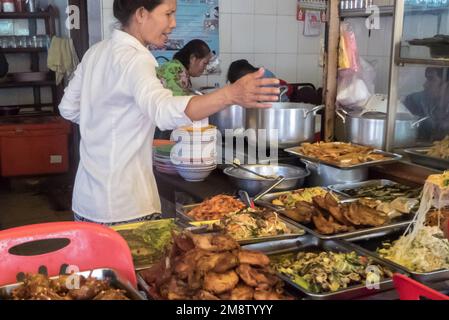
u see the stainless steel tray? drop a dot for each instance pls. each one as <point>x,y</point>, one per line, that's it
<point>296,232</point>
<point>394,157</point>
<point>366,233</point>
<point>339,188</point>
<point>114,280</point>
<point>370,247</point>
<point>310,243</point>
<point>419,156</point>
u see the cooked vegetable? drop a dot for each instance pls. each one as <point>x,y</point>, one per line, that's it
<point>289,200</point>
<point>251,223</point>
<point>149,241</point>
<point>329,271</point>
<point>384,193</point>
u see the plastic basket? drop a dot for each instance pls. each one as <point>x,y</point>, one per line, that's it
<point>89,246</point>
<point>409,289</point>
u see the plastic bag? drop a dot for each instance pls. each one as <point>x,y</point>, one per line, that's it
<point>356,88</point>
<point>349,53</point>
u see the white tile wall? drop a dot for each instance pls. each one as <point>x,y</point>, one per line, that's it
<point>264,32</point>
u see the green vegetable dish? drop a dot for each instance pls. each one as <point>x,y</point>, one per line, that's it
<point>327,272</point>
<point>149,241</point>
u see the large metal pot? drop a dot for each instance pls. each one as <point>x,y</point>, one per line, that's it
<point>324,175</point>
<point>294,122</point>
<point>233,118</point>
<point>243,180</point>
<point>369,128</point>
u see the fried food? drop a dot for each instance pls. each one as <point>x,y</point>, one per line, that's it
<point>253,258</point>
<point>360,215</point>
<point>242,292</point>
<point>220,282</point>
<point>210,242</point>
<point>40,287</point>
<point>341,154</point>
<point>216,208</point>
<point>223,273</point>
<point>440,149</point>
<point>289,199</point>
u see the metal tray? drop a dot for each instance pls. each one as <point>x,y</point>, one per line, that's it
<point>114,280</point>
<point>366,233</point>
<point>370,247</point>
<point>137,264</point>
<point>394,157</point>
<point>419,156</point>
<point>339,188</point>
<point>296,232</point>
<point>310,243</point>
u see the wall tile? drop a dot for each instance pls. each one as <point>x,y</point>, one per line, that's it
<point>308,70</point>
<point>265,33</point>
<point>286,67</point>
<point>266,60</point>
<point>242,6</point>
<point>242,33</point>
<point>226,32</point>
<point>225,6</point>
<point>287,7</point>
<point>266,7</point>
<point>286,34</point>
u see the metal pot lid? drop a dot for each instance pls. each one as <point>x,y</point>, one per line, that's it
<point>383,116</point>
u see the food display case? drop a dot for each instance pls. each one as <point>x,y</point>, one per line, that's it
<point>419,74</point>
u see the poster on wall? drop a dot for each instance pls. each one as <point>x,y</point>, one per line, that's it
<point>195,19</point>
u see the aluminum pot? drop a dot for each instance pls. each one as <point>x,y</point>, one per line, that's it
<point>324,175</point>
<point>295,123</point>
<point>369,128</point>
<point>243,180</point>
<point>233,117</point>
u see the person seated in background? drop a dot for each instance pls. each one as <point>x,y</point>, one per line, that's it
<point>432,102</point>
<point>190,61</point>
<point>241,68</point>
<point>3,65</point>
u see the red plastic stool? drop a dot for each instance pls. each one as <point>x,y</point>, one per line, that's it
<point>91,247</point>
<point>409,289</point>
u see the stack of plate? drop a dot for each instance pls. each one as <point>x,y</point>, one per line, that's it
<point>161,157</point>
<point>195,153</point>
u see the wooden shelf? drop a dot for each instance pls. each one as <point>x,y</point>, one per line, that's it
<point>25,15</point>
<point>23,50</point>
<point>9,84</point>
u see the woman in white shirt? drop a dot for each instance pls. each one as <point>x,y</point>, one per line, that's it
<point>117,100</point>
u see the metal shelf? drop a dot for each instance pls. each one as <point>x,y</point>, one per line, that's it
<point>429,62</point>
<point>389,11</point>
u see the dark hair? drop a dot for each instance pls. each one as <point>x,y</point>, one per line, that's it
<point>198,48</point>
<point>124,9</point>
<point>239,69</point>
<point>438,72</point>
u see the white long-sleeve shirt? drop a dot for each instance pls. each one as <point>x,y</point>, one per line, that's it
<point>117,99</point>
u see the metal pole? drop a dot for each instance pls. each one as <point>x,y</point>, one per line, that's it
<point>398,26</point>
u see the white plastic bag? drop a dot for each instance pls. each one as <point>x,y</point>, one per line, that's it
<point>356,88</point>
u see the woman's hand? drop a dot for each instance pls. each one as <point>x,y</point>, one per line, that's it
<point>253,91</point>
<point>248,92</point>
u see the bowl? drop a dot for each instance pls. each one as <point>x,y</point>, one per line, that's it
<point>243,180</point>
<point>194,174</point>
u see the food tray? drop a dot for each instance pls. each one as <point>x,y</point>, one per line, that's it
<point>339,188</point>
<point>370,247</point>
<point>115,281</point>
<point>419,156</point>
<point>310,243</point>
<point>296,232</point>
<point>138,265</point>
<point>393,158</point>
<point>367,233</point>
